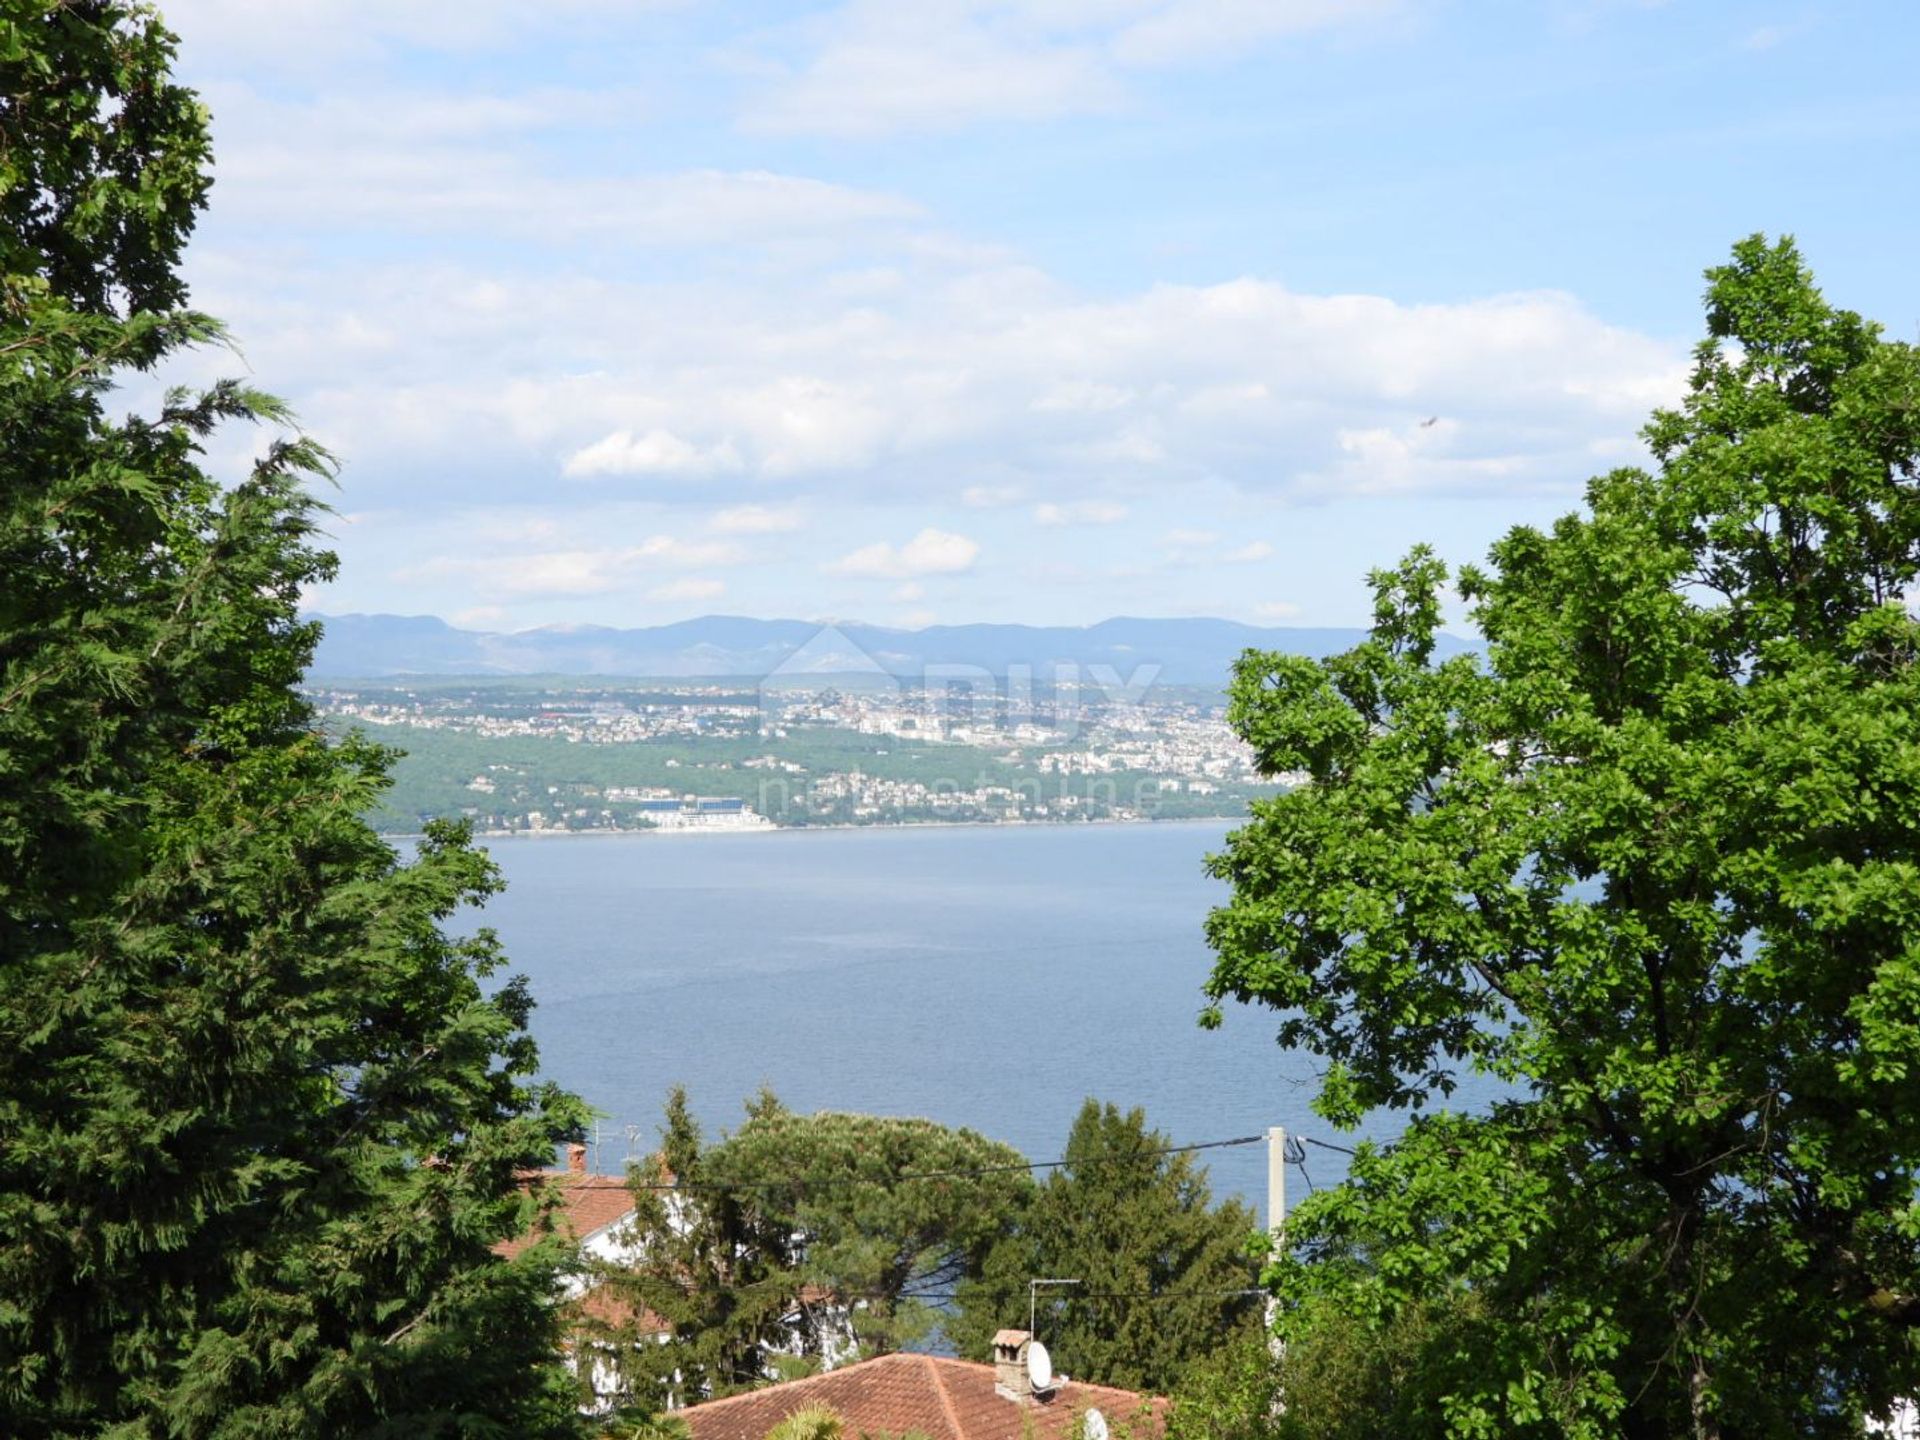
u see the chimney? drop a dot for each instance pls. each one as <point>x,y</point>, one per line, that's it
<point>576,1159</point>
<point>1010,1380</point>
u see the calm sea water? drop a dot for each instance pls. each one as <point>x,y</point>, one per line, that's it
<point>989,977</point>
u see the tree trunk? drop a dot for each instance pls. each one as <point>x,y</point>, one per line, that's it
<point>1706,1425</point>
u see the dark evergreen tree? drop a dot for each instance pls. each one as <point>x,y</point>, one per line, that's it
<point>259,1121</point>
<point>717,1265</point>
<point>1166,1274</point>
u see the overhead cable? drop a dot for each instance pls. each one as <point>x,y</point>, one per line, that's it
<point>805,1183</point>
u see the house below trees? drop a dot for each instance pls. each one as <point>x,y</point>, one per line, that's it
<point>937,1397</point>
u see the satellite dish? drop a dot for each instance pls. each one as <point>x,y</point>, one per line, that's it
<point>1039,1366</point>
<point>1094,1427</point>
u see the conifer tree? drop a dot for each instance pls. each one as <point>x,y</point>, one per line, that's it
<point>887,1210</point>
<point>260,1123</point>
<point>1166,1275</point>
<point>717,1265</point>
<point>803,1228</point>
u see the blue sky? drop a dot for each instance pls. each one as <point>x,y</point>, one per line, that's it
<point>622,311</point>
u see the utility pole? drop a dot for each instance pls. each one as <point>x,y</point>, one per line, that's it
<point>1033,1289</point>
<point>1276,1210</point>
<point>1276,1181</point>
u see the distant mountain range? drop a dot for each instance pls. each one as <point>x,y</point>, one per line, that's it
<point>1188,652</point>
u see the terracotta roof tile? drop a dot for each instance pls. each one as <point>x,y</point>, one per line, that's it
<point>587,1203</point>
<point>944,1399</point>
<point>601,1304</point>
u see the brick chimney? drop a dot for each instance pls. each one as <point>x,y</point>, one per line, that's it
<point>1010,1379</point>
<point>576,1159</point>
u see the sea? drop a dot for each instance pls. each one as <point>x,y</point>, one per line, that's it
<point>991,977</point>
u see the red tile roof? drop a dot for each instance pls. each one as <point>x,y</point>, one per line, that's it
<point>602,1305</point>
<point>943,1399</point>
<point>587,1203</point>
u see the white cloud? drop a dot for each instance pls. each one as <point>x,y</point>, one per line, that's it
<point>1084,395</point>
<point>1178,31</point>
<point>303,36</point>
<point>469,274</point>
<point>393,154</point>
<point>665,550</point>
<point>931,552</point>
<point>688,589</point>
<point>580,570</point>
<point>1130,445</point>
<point>810,422</point>
<point>935,64</point>
<point>1272,610</point>
<point>1772,37</point>
<point>551,572</point>
<point>1419,456</point>
<point>1079,512</point>
<point>906,594</point>
<point>876,66</point>
<point>438,381</point>
<point>284,165</point>
<point>1192,547</point>
<point>755,520</point>
<point>658,452</point>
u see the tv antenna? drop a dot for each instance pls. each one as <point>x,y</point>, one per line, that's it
<point>1033,1289</point>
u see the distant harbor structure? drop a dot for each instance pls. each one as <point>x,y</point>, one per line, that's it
<point>664,810</point>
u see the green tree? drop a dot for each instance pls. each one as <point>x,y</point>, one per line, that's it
<point>1341,1376</point>
<point>653,1425</point>
<point>830,1228</point>
<point>717,1266</point>
<point>259,1122</point>
<point>887,1210</point>
<point>816,1422</point>
<point>1165,1274</point>
<point>1649,859</point>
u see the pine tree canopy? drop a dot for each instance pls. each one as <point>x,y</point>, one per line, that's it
<point>1165,1274</point>
<point>260,1120</point>
<point>1651,859</point>
<point>808,1228</point>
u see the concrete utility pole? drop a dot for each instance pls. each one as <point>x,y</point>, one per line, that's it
<point>1276,1208</point>
<point>1276,1180</point>
<point>1033,1290</point>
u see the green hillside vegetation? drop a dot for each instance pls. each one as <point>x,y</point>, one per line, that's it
<point>431,778</point>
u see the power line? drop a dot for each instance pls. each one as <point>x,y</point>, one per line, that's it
<point>823,1181</point>
<point>642,1284</point>
<point>1328,1145</point>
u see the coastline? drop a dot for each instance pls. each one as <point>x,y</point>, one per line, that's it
<point>485,835</point>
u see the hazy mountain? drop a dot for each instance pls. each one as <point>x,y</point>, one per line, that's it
<point>1188,652</point>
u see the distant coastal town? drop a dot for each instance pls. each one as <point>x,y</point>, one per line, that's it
<point>689,757</point>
